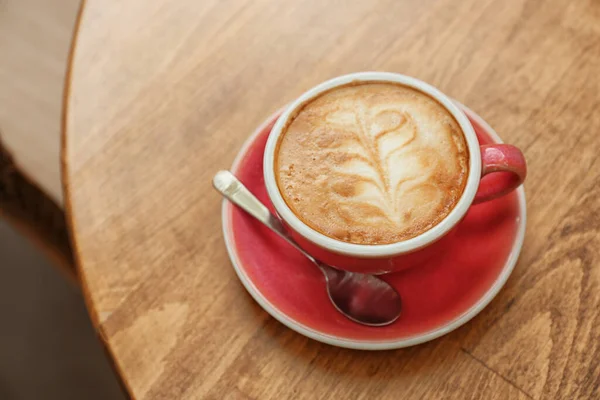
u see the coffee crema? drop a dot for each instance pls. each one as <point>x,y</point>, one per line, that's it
<point>372,163</point>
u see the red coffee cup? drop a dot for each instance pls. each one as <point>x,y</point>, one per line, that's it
<point>505,160</point>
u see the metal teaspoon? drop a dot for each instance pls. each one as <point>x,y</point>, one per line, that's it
<point>363,298</point>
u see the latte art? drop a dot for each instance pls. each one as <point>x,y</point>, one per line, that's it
<point>372,163</point>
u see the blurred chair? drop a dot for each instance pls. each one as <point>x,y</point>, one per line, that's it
<point>35,38</point>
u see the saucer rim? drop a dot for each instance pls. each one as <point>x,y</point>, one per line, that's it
<point>387,344</point>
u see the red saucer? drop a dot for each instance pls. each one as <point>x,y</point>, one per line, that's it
<point>454,285</point>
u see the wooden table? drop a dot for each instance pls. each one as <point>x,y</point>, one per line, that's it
<point>163,93</point>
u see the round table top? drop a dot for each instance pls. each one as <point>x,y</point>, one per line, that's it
<point>162,94</point>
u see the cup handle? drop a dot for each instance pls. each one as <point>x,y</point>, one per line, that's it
<point>509,166</point>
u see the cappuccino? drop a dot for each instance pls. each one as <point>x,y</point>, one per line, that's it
<point>372,163</point>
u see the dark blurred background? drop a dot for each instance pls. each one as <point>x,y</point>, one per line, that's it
<point>48,347</point>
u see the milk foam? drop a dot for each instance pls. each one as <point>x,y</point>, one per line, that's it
<point>372,163</point>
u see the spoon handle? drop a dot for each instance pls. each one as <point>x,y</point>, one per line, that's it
<point>235,191</point>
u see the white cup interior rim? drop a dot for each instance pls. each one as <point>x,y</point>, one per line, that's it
<point>382,250</point>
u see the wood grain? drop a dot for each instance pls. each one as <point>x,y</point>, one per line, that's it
<point>162,95</point>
